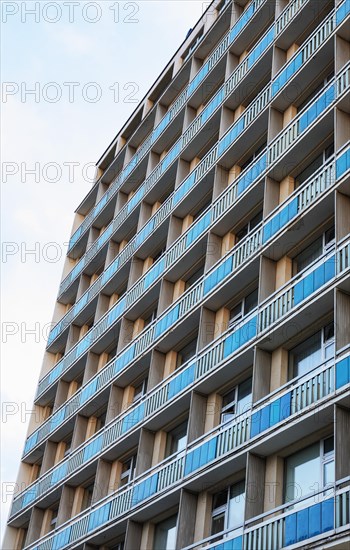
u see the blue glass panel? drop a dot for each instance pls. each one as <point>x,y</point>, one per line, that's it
<point>88,391</point>
<point>62,539</point>
<point>57,418</point>
<point>59,473</point>
<point>125,358</point>
<point>265,418</point>
<point>327,515</point>
<point>343,163</point>
<point>308,282</point>
<point>255,424</point>
<point>133,418</point>
<point>275,412</point>
<point>93,448</point>
<point>329,269</point>
<point>145,489</point>
<point>154,272</point>
<point>342,11</point>
<point>184,188</point>
<point>303,524</point>
<point>111,269</point>
<point>99,517</point>
<point>208,451</point>
<point>29,496</point>
<point>298,293</point>
<point>290,530</point>
<point>285,408</point>
<point>315,520</point>
<point>217,275</point>
<point>163,324</point>
<point>181,381</point>
<point>198,228</point>
<point>342,373</point>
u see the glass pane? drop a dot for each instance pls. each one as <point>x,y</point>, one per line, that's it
<point>302,474</point>
<point>256,220</point>
<point>229,398</point>
<point>311,253</point>
<point>251,301</point>
<point>236,505</point>
<point>218,524</point>
<point>165,534</point>
<point>244,396</point>
<point>328,445</point>
<point>307,355</point>
<point>330,235</point>
<point>328,473</point>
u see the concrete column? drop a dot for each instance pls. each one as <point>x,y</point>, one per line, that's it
<point>287,186</point>
<point>275,123</point>
<point>203,516</point>
<point>170,363</point>
<point>206,327</point>
<point>114,476</point>
<point>145,452</point>
<point>271,195</point>
<point>156,370</point>
<point>222,318</point>
<point>133,536</point>
<point>342,218</point>
<point>273,482</point>
<point>165,295</point>
<point>159,447</point>
<point>114,403</point>
<point>213,251</point>
<point>342,128</point>
<point>283,271</point>
<point>186,519</point>
<point>48,456</point>
<point>147,536</point>
<point>267,278</point>
<point>342,319</point>
<point>197,416</point>
<point>125,334</point>
<point>213,412</point>
<point>66,504</point>
<point>342,442</point>
<point>255,485</point>
<point>220,180</point>
<point>91,366</point>
<point>102,478</point>
<point>261,374</point>
<point>227,243</point>
<point>175,228</point>
<point>279,368</point>
<point>102,306</point>
<point>342,52</point>
<point>79,432</point>
<point>35,523</point>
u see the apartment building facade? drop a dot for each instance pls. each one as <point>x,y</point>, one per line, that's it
<point>195,389</point>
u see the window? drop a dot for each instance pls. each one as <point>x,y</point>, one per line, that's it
<point>250,226</point>
<point>311,353</point>
<point>150,317</point>
<point>165,534</point>
<point>176,439</point>
<point>314,92</point>
<point>193,46</point>
<point>128,468</point>
<point>140,390</point>
<point>53,520</point>
<point>309,470</point>
<point>194,277</point>
<point>228,508</point>
<point>314,165</point>
<point>253,156</point>
<point>159,254</point>
<point>236,401</point>
<point>87,500</point>
<point>187,352</point>
<point>201,210</point>
<point>101,420</point>
<point>67,449</point>
<point>314,250</point>
<point>244,307</point>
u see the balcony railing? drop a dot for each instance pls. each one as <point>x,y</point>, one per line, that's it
<point>156,270</point>
<point>301,395</point>
<point>277,307</point>
<point>174,109</point>
<point>207,450</point>
<point>278,147</point>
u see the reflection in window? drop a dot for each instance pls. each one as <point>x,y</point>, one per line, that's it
<point>311,353</point>
<point>314,250</point>
<point>228,508</point>
<point>187,352</point>
<point>314,165</point>
<point>165,534</point>
<point>128,468</point>
<point>244,307</point>
<point>237,401</point>
<point>176,439</point>
<point>309,471</point>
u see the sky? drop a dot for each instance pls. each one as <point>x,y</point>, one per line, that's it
<point>72,73</point>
